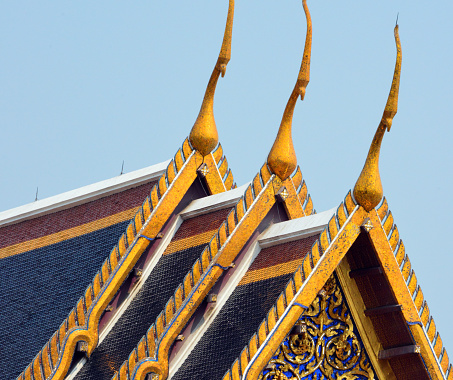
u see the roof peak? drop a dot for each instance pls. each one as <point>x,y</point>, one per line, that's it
<point>204,136</point>
<point>282,158</point>
<point>368,188</point>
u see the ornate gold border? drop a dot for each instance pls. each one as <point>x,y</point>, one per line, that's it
<point>54,359</point>
<point>151,353</point>
<point>390,251</point>
<point>327,253</point>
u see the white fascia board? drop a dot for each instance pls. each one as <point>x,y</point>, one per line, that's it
<point>213,202</point>
<point>295,229</point>
<point>83,194</point>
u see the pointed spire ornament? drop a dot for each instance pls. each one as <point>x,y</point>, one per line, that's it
<point>282,158</point>
<point>203,136</point>
<point>368,188</point>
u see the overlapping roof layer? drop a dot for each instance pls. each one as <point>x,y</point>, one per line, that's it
<point>177,259</point>
<point>180,296</point>
<point>245,309</point>
<point>181,275</point>
<point>47,261</point>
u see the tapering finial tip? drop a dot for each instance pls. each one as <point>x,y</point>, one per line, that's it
<point>282,158</point>
<point>368,189</point>
<point>204,136</point>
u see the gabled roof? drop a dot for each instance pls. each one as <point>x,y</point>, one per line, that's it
<point>82,324</point>
<point>56,246</point>
<point>343,239</point>
<point>252,213</point>
<point>198,169</point>
<point>195,276</point>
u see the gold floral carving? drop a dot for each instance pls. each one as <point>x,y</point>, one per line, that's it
<point>323,345</point>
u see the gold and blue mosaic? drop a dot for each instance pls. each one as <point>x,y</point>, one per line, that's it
<point>323,345</point>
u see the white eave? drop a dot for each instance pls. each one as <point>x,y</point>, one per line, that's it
<point>213,202</point>
<point>295,229</point>
<point>83,194</point>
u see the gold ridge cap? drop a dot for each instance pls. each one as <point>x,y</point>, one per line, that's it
<point>282,158</point>
<point>368,190</point>
<point>204,136</point>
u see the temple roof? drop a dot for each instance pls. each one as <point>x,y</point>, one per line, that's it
<point>174,272</point>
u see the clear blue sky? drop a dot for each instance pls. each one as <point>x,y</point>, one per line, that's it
<point>86,85</point>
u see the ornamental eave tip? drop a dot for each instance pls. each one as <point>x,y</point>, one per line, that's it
<point>282,158</point>
<point>204,136</point>
<point>368,190</point>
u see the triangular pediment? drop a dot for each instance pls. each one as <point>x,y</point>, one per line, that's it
<point>188,176</point>
<point>362,249</point>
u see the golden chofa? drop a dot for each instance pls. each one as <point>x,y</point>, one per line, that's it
<point>203,136</point>
<point>282,158</point>
<point>368,189</point>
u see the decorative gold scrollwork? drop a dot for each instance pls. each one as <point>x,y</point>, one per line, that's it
<point>324,344</point>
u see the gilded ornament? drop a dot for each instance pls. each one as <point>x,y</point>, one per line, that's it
<point>203,136</point>
<point>368,189</point>
<point>328,346</point>
<point>203,170</point>
<point>368,225</point>
<point>282,158</point>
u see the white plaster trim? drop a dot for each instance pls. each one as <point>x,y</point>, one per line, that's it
<point>214,202</point>
<point>76,369</point>
<point>218,171</point>
<point>163,244</point>
<point>83,194</point>
<point>295,229</point>
<point>191,341</point>
<point>291,303</point>
<point>225,293</point>
<point>146,272</point>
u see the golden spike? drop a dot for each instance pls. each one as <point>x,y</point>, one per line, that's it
<point>368,188</point>
<point>282,158</point>
<point>203,136</point>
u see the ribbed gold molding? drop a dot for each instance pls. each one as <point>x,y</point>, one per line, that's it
<point>282,158</point>
<point>203,136</point>
<point>368,189</point>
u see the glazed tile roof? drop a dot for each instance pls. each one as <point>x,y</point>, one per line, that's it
<point>56,356</point>
<point>177,259</point>
<point>398,315</point>
<point>253,213</point>
<point>55,246</point>
<point>274,269</point>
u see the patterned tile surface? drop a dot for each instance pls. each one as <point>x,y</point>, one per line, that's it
<point>243,312</point>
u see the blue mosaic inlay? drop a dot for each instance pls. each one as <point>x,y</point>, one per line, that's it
<point>324,343</point>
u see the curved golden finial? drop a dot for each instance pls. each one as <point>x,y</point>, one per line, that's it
<point>368,188</point>
<point>203,136</point>
<point>282,158</point>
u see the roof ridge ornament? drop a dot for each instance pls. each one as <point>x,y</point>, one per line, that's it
<point>368,188</point>
<point>282,158</point>
<point>203,136</point>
